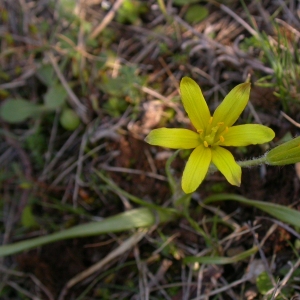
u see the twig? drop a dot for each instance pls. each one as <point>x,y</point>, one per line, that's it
<point>290,119</point>
<point>262,254</point>
<point>22,290</point>
<point>41,286</point>
<point>143,283</point>
<point>79,167</point>
<point>50,147</point>
<point>171,75</point>
<point>74,101</point>
<point>289,13</point>
<point>277,289</point>
<point>59,154</point>
<point>238,19</point>
<point>107,19</point>
<point>283,225</point>
<point>222,289</point>
<point>133,171</point>
<point>26,167</point>
<point>73,165</point>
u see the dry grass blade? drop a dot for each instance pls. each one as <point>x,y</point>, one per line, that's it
<point>74,101</point>
<point>107,19</point>
<point>125,246</point>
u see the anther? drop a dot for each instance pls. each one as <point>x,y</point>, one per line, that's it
<point>200,130</point>
<point>220,123</point>
<point>222,139</point>
<point>225,130</point>
<point>210,120</point>
<point>205,144</point>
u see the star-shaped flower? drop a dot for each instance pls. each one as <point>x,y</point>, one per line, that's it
<point>212,132</point>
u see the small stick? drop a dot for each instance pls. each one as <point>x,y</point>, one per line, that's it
<point>290,119</point>
<point>107,19</point>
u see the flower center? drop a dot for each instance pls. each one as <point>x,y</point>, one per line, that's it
<point>213,136</point>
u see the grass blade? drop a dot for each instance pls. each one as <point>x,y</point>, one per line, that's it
<point>220,260</point>
<point>136,218</point>
<point>280,212</point>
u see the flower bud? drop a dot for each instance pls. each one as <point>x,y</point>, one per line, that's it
<point>285,154</point>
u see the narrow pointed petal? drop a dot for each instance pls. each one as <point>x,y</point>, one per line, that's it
<point>233,105</point>
<point>225,162</point>
<point>173,138</point>
<point>194,103</point>
<point>196,169</point>
<point>249,134</point>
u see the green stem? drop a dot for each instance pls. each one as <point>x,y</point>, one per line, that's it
<point>252,162</point>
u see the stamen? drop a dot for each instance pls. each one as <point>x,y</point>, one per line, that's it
<point>220,123</point>
<point>210,120</point>
<point>222,139</point>
<point>225,130</point>
<point>205,144</point>
<point>200,130</point>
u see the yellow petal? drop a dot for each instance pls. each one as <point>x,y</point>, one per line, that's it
<point>194,103</point>
<point>173,138</point>
<point>249,134</point>
<point>225,162</point>
<point>233,105</point>
<point>196,169</point>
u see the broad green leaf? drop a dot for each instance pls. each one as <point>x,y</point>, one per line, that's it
<point>55,96</point>
<point>280,212</point>
<point>18,110</point>
<point>46,75</point>
<point>196,13</point>
<point>136,218</point>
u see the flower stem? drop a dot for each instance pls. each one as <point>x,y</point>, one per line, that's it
<point>252,162</point>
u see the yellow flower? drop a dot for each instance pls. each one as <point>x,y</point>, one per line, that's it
<point>212,132</point>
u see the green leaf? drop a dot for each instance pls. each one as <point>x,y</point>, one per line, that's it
<point>55,96</point>
<point>28,219</point>
<point>46,75</point>
<point>263,283</point>
<point>129,11</point>
<point>282,213</point>
<point>18,110</point>
<point>196,13</point>
<point>69,119</point>
<point>136,218</point>
<point>220,260</point>
<point>284,154</point>
<point>184,2</point>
